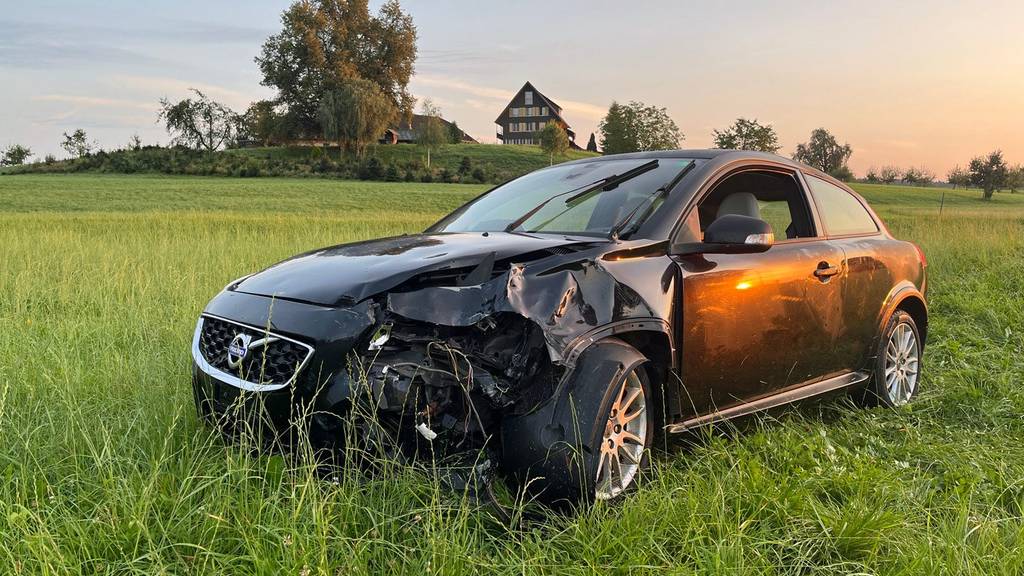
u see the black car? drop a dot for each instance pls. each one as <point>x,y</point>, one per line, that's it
<point>554,325</point>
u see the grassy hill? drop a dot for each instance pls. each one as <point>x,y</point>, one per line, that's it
<point>487,163</point>
<point>513,158</point>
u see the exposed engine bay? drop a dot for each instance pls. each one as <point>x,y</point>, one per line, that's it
<point>452,385</point>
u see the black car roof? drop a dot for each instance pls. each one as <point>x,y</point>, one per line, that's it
<point>706,154</point>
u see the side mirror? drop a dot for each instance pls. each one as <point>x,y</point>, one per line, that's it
<point>733,234</point>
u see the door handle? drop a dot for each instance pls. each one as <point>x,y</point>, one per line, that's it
<point>826,271</point>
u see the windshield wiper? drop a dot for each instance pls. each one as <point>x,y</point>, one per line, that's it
<point>602,185</point>
<point>620,227</point>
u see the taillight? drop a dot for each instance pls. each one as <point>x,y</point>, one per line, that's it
<point>920,255</point>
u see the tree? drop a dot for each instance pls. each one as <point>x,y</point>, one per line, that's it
<point>199,123</point>
<point>635,127</point>
<point>260,122</point>
<point>134,143</point>
<point>356,115</point>
<point>1015,178</point>
<point>324,43</point>
<point>910,176</point>
<point>77,144</point>
<point>825,153</point>
<point>454,133</point>
<point>959,177</point>
<point>15,154</point>
<point>889,174</point>
<point>988,173</point>
<point>432,132</point>
<point>553,140</point>
<point>747,135</point>
<point>872,175</point>
<point>592,143</point>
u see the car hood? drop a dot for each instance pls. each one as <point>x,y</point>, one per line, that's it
<point>348,273</point>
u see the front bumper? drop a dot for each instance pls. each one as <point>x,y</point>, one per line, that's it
<point>319,386</point>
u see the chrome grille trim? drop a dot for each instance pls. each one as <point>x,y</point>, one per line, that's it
<point>227,378</point>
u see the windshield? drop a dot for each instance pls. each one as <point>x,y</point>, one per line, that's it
<point>550,200</point>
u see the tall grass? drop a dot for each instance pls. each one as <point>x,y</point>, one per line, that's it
<point>105,469</point>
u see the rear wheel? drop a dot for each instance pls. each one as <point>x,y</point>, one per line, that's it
<point>898,362</point>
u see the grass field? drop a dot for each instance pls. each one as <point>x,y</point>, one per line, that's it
<point>105,469</point>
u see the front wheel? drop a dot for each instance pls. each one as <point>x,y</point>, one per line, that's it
<point>898,362</point>
<point>626,438</point>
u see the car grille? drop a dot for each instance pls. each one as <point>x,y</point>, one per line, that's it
<point>274,362</point>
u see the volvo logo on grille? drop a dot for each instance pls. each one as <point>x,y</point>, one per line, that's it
<point>241,345</point>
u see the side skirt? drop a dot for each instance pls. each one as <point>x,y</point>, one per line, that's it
<point>761,404</point>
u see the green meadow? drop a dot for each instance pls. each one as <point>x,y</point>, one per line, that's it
<point>104,468</point>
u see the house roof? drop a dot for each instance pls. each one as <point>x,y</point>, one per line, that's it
<point>408,130</point>
<point>552,105</point>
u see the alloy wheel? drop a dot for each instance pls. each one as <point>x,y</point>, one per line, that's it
<point>902,359</point>
<point>624,440</point>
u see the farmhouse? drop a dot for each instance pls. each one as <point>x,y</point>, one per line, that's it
<point>527,113</point>
<point>407,131</point>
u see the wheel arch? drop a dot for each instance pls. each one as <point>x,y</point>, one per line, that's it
<point>908,298</point>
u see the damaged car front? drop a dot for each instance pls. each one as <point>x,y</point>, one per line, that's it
<point>523,331</point>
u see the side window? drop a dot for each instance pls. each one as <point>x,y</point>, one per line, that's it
<point>776,198</point>
<point>841,212</point>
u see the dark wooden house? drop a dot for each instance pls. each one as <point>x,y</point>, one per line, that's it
<point>526,114</point>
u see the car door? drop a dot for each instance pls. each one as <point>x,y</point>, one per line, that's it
<point>754,324</point>
<point>867,278</point>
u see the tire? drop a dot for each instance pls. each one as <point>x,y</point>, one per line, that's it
<point>553,453</point>
<point>620,445</point>
<point>896,373</point>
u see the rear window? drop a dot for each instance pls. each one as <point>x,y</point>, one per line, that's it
<point>841,211</point>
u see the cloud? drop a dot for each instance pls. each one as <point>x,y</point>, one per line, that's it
<point>95,102</point>
<point>37,45</point>
<point>464,87</point>
<point>173,88</point>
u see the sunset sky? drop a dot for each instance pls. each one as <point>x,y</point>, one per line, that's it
<point>922,83</point>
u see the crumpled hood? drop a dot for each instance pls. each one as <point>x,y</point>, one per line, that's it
<point>349,273</point>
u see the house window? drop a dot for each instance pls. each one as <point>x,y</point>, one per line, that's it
<point>529,98</point>
<point>543,110</point>
<point>513,112</point>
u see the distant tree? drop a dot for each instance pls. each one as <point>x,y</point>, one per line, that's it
<point>454,133</point>
<point>925,177</point>
<point>260,122</point>
<point>15,154</point>
<point>910,176</point>
<point>77,143</point>
<point>842,173</point>
<point>324,43</point>
<point>889,174</point>
<point>553,140</point>
<point>959,177</point>
<point>988,173</point>
<point>432,132</point>
<point>592,143</point>
<point>872,175</point>
<point>356,115</point>
<point>1015,178</point>
<point>747,135</point>
<point>134,143</point>
<point>636,127</point>
<point>825,153</point>
<point>199,122</point>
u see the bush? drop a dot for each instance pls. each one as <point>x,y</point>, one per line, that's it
<point>427,177</point>
<point>371,169</point>
<point>479,176</point>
